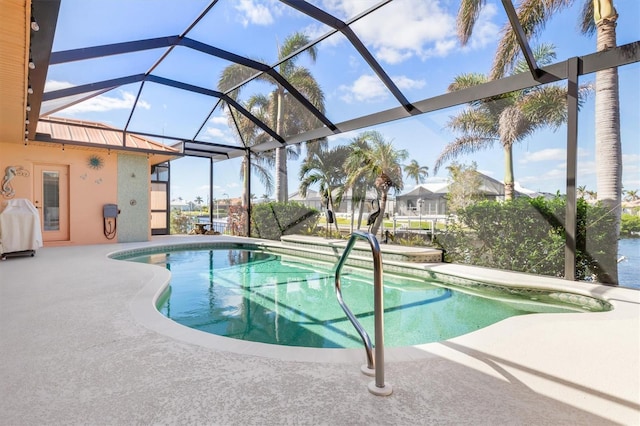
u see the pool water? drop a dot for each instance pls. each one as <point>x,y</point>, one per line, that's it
<point>251,295</point>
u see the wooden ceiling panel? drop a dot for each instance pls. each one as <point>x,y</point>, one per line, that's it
<point>14,41</point>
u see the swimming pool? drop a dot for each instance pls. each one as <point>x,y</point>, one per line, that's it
<point>258,296</point>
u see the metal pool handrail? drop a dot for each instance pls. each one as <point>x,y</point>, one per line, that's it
<point>378,387</point>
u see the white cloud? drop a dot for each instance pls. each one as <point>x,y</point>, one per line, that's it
<point>407,83</point>
<point>217,135</point>
<point>393,56</point>
<point>218,119</point>
<point>555,174</point>
<point>549,154</point>
<point>51,85</point>
<point>101,103</point>
<point>629,159</point>
<point>404,29</point>
<point>369,88</point>
<point>253,12</point>
<point>365,88</point>
<point>214,132</point>
<point>317,30</point>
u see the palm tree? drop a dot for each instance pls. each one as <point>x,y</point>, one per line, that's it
<point>599,17</point>
<point>198,201</point>
<point>249,135</point>
<point>378,160</point>
<point>581,191</point>
<point>284,114</point>
<point>507,118</point>
<point>632,195</point>
<point>324,168</point>
<point>357,182</point>
<point>416,172</point>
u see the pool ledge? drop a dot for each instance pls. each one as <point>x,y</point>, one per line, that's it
<point>82,343</point>
<point>625,304</point>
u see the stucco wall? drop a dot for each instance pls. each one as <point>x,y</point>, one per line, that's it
<point>133,198</point>
<point>90,186</point>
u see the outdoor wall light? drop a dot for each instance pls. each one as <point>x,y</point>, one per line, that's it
<point>30,90</point>
<point>34,24</point>
<point>28,108</point>
<point>32,65</point>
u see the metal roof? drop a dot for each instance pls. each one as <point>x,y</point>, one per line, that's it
<point>91,133</point>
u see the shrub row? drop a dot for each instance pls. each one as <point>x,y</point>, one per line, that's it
<point>528,235</point>
<point>273,220</point>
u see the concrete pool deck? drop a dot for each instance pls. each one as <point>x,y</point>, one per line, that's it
<point>81,344</point>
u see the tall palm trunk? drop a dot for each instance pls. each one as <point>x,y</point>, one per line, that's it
<point>508,172</point>
<point>333,210</point>
<point>383,205</point>
<point>608,148</point>
<point>282,190</point>
<point>360,213</point>
<point>353,209</point>
<point>245,177</point>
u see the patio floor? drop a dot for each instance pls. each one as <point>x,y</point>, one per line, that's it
<point>80,343</point>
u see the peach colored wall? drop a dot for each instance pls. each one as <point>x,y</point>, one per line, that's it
<point>89,188</point>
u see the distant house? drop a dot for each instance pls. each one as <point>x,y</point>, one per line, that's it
<point>181,205</point>
<point>314,200</point>
<point>430,198</point>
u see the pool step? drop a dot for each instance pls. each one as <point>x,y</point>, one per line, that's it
<point>331,249</point>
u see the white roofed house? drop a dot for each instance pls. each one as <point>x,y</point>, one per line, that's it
<point>430,198</point>
<point>314,200</point>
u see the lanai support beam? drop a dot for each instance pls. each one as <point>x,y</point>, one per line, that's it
<point>330,20</point>
<point>572,166</point>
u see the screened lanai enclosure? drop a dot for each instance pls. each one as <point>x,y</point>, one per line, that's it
<point>514,124</point>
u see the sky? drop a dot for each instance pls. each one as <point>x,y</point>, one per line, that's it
<point>413,40</point>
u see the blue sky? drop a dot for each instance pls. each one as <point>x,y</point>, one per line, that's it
<point>414,41</point>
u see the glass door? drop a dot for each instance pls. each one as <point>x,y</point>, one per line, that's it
<point>160,199</point>
<point>51,198</point>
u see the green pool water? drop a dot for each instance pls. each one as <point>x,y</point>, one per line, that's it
<point>251,295</point>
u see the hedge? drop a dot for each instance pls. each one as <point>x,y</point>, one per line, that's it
<point>527,235</point>
<point>273,220</point>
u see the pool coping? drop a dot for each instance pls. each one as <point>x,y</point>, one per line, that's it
<point>143,308</point>
<point>73,351</point>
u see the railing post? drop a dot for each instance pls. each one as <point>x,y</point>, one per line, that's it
<point>378,386</point>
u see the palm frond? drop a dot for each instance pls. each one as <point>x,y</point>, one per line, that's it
<point>291,44</point>
<point>468,14</point>
<point>533,16</point>
<point>513,125</point>
<point>264,175</point>
<point>587,24</point>
<point>233,75</point>
<point>464,81</point>
<point>475,121</point>
<point>305,83</point>
<point>466,144</point>
<point>546,106</point>
<point>544,54</point>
